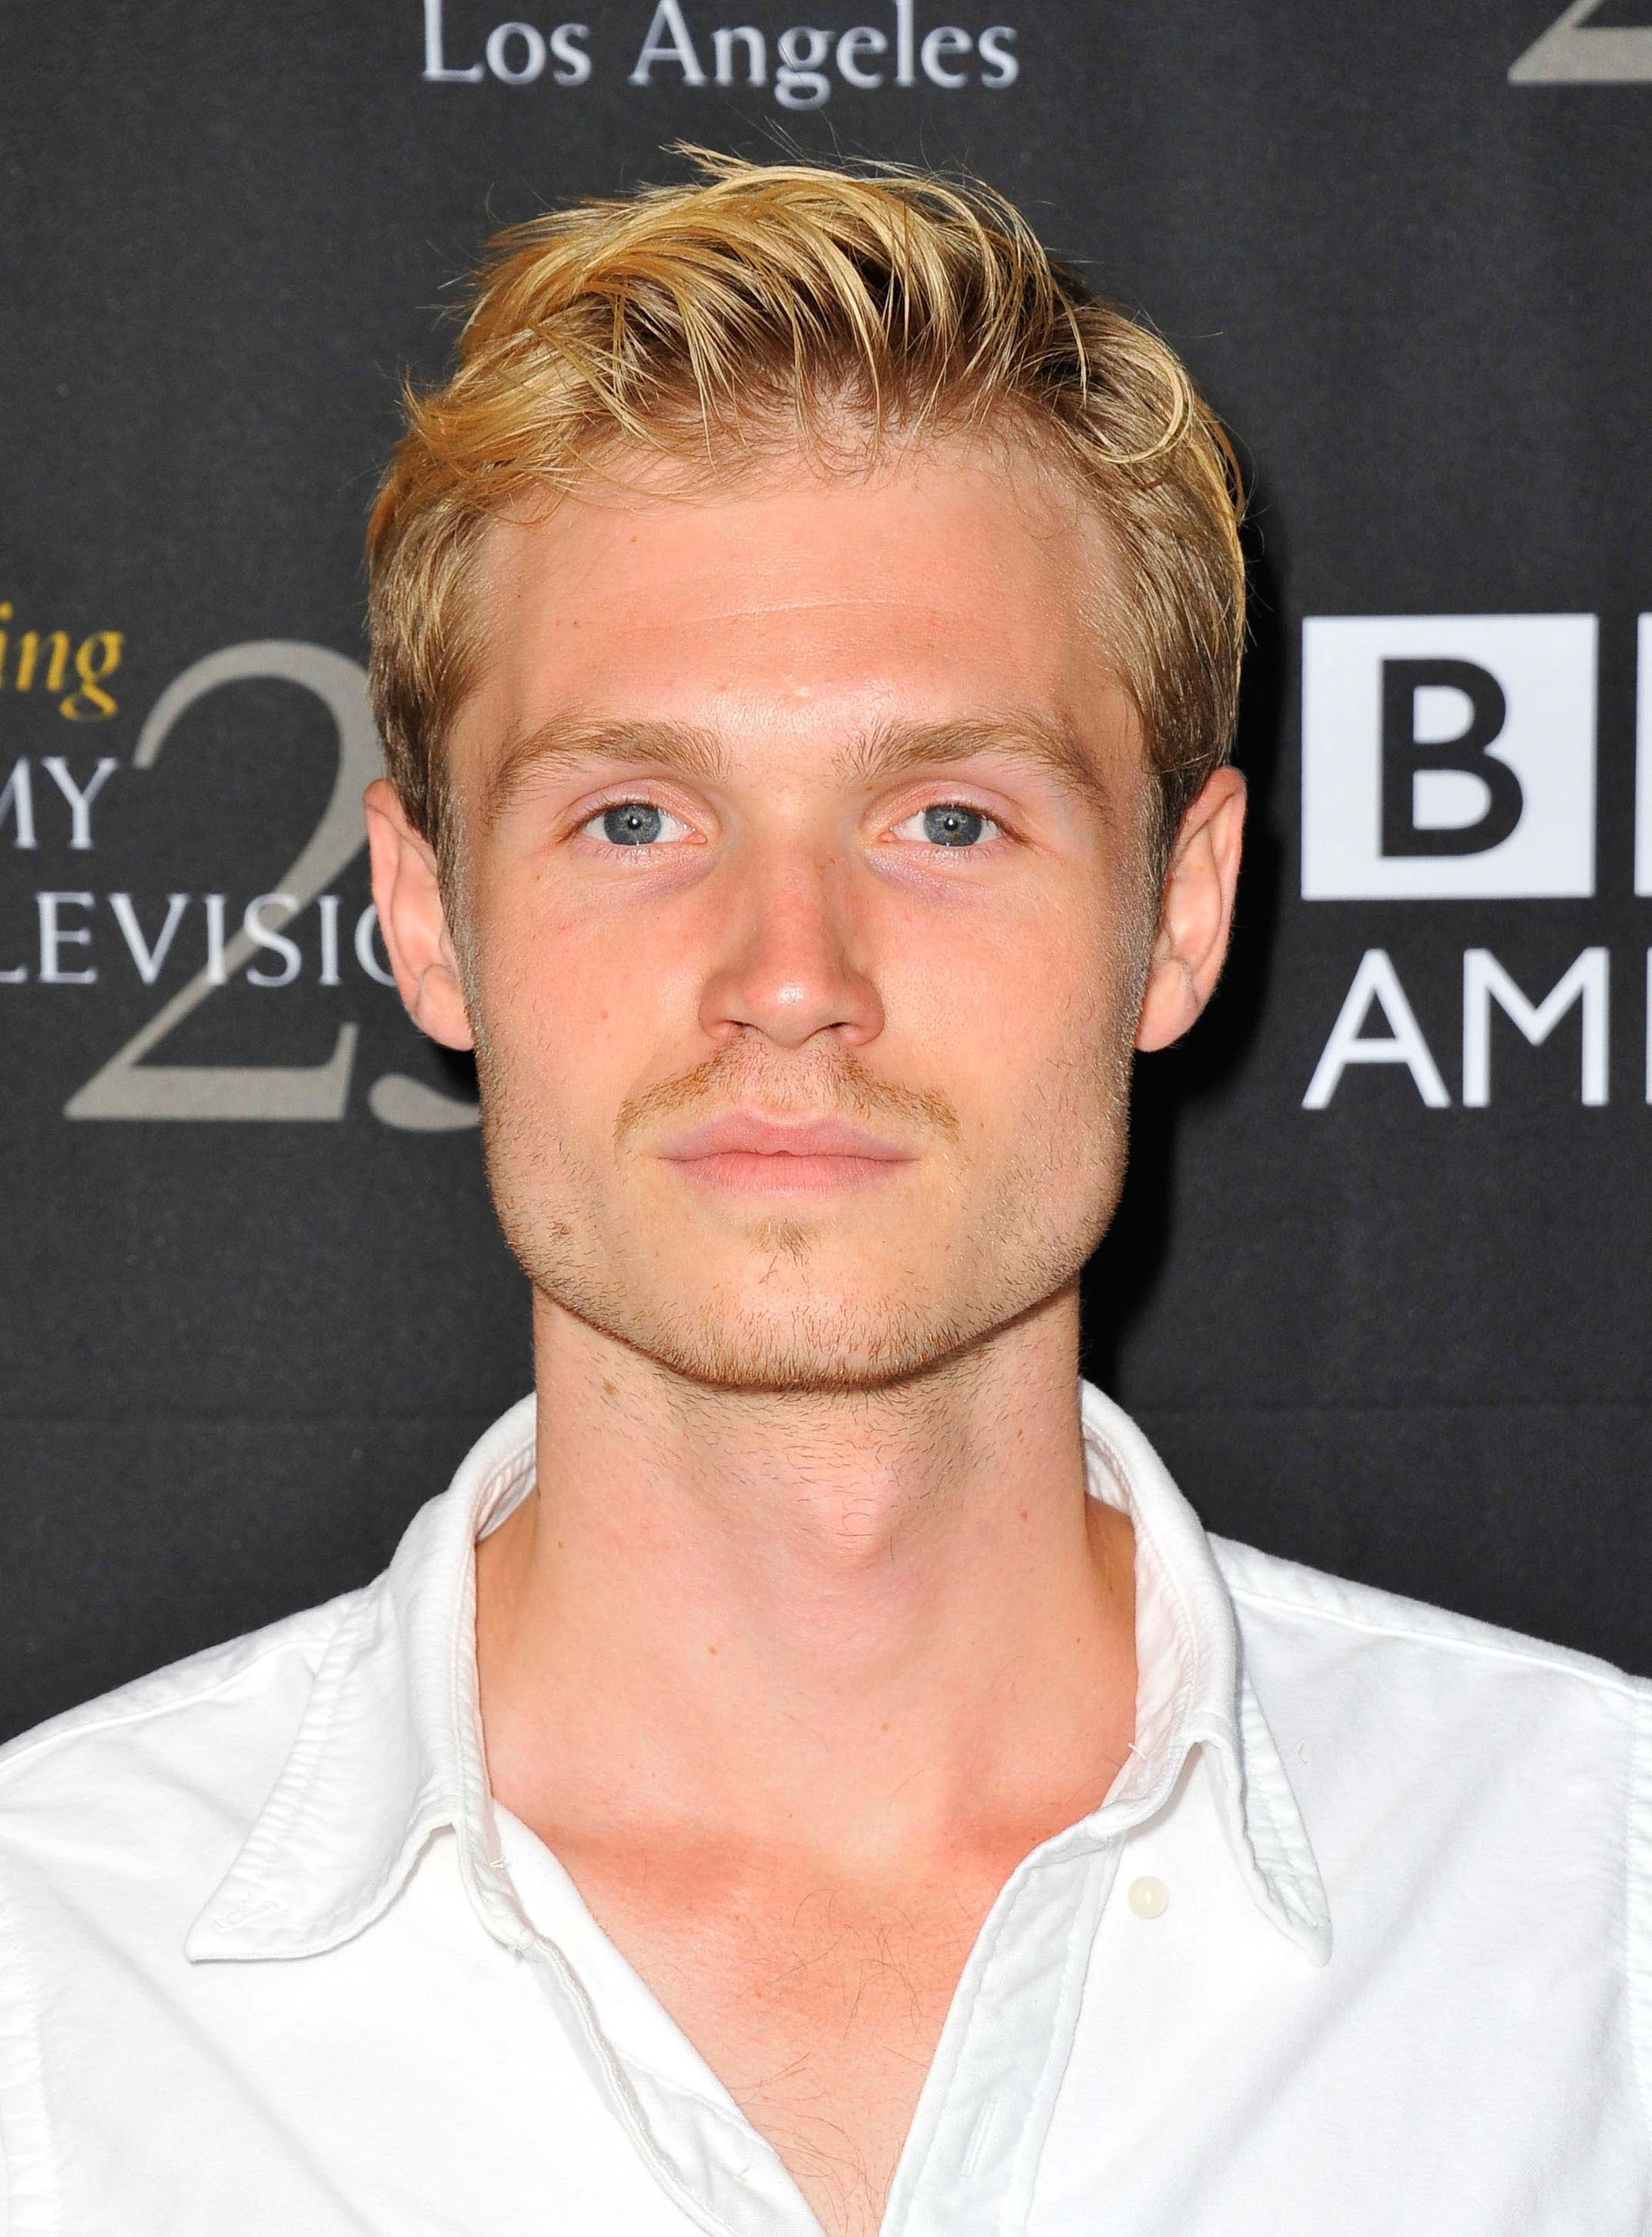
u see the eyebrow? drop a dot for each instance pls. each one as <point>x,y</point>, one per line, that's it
<point>895,748</point>
<point>889,751</point>
<point>563,743</point>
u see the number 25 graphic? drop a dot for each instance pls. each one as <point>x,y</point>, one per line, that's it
<point>125,1087</point>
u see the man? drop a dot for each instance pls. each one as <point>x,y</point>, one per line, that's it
<point>843,1788</point>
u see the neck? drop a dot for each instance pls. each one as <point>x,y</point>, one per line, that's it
<point>863,1623</point>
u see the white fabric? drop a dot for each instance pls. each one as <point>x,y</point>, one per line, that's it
<point>271,1961</point>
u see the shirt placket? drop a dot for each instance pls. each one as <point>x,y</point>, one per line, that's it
<point>971,2160</point>
<point>709,2162</point>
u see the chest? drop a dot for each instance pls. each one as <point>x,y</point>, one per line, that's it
<point>1184,2071</point>
<point>817,2007</point>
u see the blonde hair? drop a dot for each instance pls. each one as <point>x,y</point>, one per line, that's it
<point>762,310</point>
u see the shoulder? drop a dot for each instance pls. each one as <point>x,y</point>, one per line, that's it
<point>142,1770</point>
<point>117,1821</point>
<point>1480,1799</point>
<point>1283,1607</point>
<point>1411,1685</point>
<point>1429,1753</point>
<point>1393,1713</point>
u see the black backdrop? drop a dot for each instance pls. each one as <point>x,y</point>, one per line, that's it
<point>254,1307</point>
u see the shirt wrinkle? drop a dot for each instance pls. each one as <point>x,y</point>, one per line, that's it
<point>1466,1635</point>
<point>311,1877</point>
<point>422,1613</point>
<point>28,2164</point>
<point>1160,1968</point>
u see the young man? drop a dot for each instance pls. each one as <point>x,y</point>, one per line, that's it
<point>813,1772</point>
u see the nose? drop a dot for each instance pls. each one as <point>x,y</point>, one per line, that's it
<point>786,965</point>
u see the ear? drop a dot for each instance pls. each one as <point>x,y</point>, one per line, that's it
<point>411,917</point>
<point>1196,912</point>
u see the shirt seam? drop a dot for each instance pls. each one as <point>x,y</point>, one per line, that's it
<point>275,1818</point>
<point>1195,1660</point>
<point>989,1960</point>
<point>463,1734</point>
<point>115,1724</point>
<point>1608,1681</point>
<point>553,1971</point>
<point>1081,1949</point>
<point>263,1944</point>
<point>673,2085</point>
<point>26,2086</point>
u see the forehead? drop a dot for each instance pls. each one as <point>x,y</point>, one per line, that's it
<point>947,586</point>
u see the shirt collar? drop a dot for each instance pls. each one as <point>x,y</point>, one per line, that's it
<point>1193,1689</point>
<point>389,1749</point>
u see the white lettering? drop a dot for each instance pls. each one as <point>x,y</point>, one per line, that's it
<point>497,51</point>
<point>259,933</point>
<point>756,55</point>
<point>668,41</point>
<point>904,50</point>
<point>54,936</point>
<point>80,803</point>
<point>149,960</point>
<point>945,39</point>
<point>327,909</point>
<point>436,70</point>
<point>1485,981</point>
<point>863,39</point>
<point>994,46</point>
<point>18,801</point>
<point>800,83</point>
<point>18,975</point>
<point>1376,981</point>
<point>573,63</point>
<point>217,973</point>
<point>365,924</point>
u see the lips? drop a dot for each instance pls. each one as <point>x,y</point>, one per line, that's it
<point>754,1151</point>
<point>754,1134</point>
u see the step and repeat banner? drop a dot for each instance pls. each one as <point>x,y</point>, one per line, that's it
<point>1380,1285</point>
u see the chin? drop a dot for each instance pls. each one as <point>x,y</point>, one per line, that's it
<point>804,1312</point>
<point>775,1362</point>
<point>799,1348</point>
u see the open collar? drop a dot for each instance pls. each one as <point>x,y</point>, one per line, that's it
<point>389,1751</point>
<point>1193,1689</point>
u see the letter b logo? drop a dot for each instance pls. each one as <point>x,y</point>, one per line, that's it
<point>1448,756</point>
<point>1409,760</point>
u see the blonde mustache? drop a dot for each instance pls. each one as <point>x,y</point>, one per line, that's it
<point>845,1089</point>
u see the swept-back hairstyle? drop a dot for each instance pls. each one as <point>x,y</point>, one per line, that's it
<point>767,311</point>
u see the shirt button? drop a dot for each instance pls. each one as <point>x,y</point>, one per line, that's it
<point>1147,1898</point>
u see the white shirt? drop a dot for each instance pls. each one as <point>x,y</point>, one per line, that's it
<point>272,1961</point>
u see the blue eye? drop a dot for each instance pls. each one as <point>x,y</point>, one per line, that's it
<point>952,826</point>
<point>632,823</point>
<point>948,824</point>
<point>636,823</point>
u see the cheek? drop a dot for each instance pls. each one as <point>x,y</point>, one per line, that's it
<point>1051,990</point>
<point>574,1012</point>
